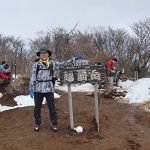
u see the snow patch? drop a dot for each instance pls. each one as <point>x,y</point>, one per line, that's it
<point>4,108</point>
<point>1,95</point>
<point>87,87</point>
<point>56,95</point>
<point>127,84</point>
<point>138,91</point>
<point>24,101</point>
<point>17,76</point>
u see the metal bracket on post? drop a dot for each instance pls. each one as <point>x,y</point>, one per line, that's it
<point>70,106</point>
<point>96,105</point>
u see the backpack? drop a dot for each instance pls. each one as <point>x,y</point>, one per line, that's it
<point>51,72</point>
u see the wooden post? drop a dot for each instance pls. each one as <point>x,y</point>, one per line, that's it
<point>110,83</point>
<point>70,106</point>
<point>15,70</point>
<point>96,104</point>
<point>12,66</point>
<point>136,75</point>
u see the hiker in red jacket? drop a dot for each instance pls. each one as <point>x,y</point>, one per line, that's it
<point>110,70</point>
<point>110,64</point>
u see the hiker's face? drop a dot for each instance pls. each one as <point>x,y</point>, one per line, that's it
<point>114,62</point>
<point>44,56</point>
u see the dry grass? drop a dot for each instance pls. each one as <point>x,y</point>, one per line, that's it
<point>18,86</point>
<point>145,106</point>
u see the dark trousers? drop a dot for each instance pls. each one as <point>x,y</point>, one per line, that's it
<point>38,99</point>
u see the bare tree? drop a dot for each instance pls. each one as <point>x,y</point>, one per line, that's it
<point>142,55</point>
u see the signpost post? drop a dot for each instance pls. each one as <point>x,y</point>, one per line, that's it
<point>70,106</point>
<point>96,104</point>
<point>83,72</point>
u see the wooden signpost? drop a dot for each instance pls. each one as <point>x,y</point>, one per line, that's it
<point>83,71</point>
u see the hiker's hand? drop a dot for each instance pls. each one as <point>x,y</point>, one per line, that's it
<point>78,57</point>
<point>115,68</point>
<point>31,94</point>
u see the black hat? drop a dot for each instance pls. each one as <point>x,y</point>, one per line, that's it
<point>115,59</point>
<point>43,50</point>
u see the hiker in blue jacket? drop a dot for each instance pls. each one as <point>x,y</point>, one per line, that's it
<point>41,85</point>
<point>4,72</point>
<point>2,69</point>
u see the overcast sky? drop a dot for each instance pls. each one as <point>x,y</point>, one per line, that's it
<point>26,17</point>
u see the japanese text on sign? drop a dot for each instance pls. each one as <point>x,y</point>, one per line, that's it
<point>82,72</point>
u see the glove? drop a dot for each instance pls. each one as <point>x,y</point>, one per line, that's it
<point>78,57</point>
<point>31,94</point>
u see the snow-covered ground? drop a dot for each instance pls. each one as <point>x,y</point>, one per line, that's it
<point>17,76</point>
<point>87,87</point>
<point>23,101</point>
<point>138,91</point>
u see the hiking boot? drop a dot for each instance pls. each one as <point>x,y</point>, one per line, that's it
<point>54,128</point>
<point>37,127</point>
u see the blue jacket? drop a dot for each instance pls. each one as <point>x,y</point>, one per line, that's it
<point>2,68</point>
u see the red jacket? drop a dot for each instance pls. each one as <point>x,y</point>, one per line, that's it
<point>109,65</point>
<point>4,76</point>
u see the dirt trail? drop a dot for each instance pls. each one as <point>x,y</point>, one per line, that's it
<point>122,127</point>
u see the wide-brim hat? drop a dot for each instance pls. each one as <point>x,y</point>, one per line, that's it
<point>43,50</point>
